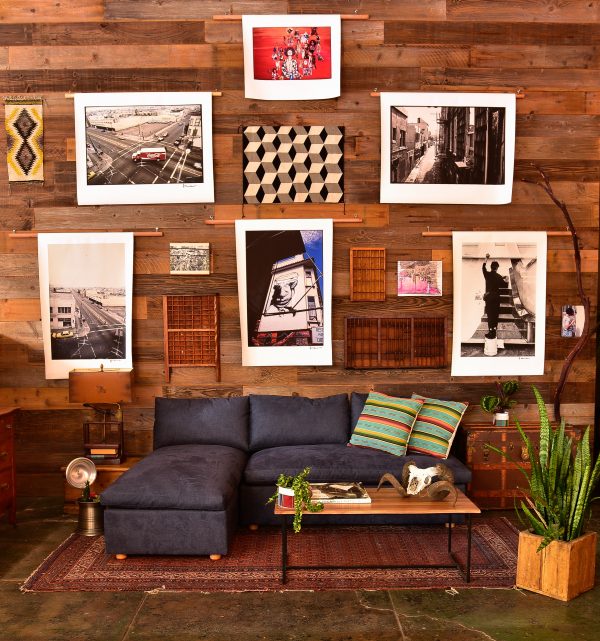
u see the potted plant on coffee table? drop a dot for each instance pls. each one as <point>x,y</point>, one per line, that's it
<point>556,555</point>
<point>296,490</point>
<point>499,404</point>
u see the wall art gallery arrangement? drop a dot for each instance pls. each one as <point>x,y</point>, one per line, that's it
<point>86,284</point>
<point>137,148</point>
<point>182,125</point>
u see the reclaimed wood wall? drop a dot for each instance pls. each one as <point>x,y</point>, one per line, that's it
<point>548,50</point>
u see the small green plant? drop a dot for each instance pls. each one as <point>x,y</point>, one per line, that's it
<point>561,481</point>
<point>502,401</point>
<point>302,495</point>
<point>87,496</point>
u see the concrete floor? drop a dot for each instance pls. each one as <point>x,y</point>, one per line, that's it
<point>403,615</point>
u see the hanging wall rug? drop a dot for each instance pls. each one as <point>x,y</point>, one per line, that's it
<point>293,164</point>
<point>24,124</point>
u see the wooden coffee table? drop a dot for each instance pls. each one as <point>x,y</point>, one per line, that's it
<point>388,501</point>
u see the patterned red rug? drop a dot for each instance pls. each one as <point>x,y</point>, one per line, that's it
<point>81,564</point>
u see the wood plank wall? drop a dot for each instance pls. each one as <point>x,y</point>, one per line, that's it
<point>549,50</point>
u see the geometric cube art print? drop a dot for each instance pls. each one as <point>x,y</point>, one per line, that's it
<point>293,164</point>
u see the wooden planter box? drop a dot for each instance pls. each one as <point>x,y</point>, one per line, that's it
<point>562,570</point>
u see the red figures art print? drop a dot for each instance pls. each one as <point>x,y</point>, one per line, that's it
<point>302,48</point>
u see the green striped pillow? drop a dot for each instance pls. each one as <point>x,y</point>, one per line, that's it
<point>385,423</point>
<point>435,427</point>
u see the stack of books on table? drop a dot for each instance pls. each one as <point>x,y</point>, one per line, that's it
<point>339,493</point>
<point>104,454</point>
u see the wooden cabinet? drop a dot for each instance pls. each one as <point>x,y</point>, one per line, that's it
<point>496,480</point>
<point>106,474</point>
<point>8,497</point>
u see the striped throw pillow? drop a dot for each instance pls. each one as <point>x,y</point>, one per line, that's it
<point>435,427</point>
<point>385,423</point>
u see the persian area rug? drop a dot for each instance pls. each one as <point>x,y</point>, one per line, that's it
<point>253,564</point>
<point>23,120</point>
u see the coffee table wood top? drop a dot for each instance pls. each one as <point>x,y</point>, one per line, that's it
<point>388,501</point>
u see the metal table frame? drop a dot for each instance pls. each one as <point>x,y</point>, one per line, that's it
<point>466,571</point>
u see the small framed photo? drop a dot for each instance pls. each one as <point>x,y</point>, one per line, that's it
<point>292,57</point>
<point>572,321</point>
<point>143,148</point>
<point>419,278</point>
<point>189,258</point>
<point>447,148</point>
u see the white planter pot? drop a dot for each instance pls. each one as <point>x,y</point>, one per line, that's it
<point>501,419</point>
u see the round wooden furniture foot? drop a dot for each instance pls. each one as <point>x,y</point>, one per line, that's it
<point>215,557</point>
<point>253,527</point>
<point>120,557</point>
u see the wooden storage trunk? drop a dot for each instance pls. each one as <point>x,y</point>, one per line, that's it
<point>496,480</point>
<point>562,570</point>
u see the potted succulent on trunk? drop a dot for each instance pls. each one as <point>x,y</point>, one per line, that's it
<point>556,555</point>
<point>294,492</point>
<point>499,404</point>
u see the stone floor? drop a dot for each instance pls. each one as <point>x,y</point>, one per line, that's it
<point>404,615</point>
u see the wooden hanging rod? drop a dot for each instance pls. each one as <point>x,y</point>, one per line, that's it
<point>216,94</point>
<point>33,234</point>
<point>213,221</point>
<point>344,16</point>
<point>376,94</point>
<point>449,233</point>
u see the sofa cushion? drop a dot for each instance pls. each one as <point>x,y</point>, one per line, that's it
<point>210,421</point>
<point>334,462</point>
<point>180,477</point>
<point>435,427</point>
<point>298,420</point>
<point>357,402</point>
<point>386,422</point>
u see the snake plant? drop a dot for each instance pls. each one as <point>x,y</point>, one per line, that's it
<point>561,481</point>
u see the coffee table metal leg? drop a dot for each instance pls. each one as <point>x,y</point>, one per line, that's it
<point>449,533</point>
<point>283,548</point>
<point>468,548</point>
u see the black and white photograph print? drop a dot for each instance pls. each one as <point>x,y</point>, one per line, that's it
<point>447,148</point>
<point>499,303</point>
<point>189,258</point>
<point>284,285</point>
<point>143,148</point>
<point>86,300</point>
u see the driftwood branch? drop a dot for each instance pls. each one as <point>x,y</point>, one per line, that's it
<point>586,332</point>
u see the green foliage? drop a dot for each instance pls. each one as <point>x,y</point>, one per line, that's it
<point>501,401</point>
<point>87,495</point>
<point>302,495</point>
<point>560,482</point>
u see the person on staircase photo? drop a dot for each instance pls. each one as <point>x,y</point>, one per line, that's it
<point>494,282</point>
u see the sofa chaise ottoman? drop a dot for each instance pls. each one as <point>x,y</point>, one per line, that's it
<point>215,463</point>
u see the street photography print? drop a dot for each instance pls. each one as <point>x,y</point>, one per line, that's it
<point>143,148</point>
<point>447,148</point>
<point>284,275</point>
<point>189,258</point>
<point>292,57</point>
<point>85,290</point>
<point>499,303</point>
<point>419,278</point>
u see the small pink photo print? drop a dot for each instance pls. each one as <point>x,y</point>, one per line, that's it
<point>419,278</point>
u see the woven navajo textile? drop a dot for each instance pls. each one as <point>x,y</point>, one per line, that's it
<point>293,164</point>
<point>435,427</point>
<point>385,423</point>
<point>23,120</point>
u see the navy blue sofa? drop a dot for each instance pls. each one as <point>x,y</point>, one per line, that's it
<point>215,463</point>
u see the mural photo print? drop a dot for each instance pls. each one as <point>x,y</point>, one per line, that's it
<point>284,274</point>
